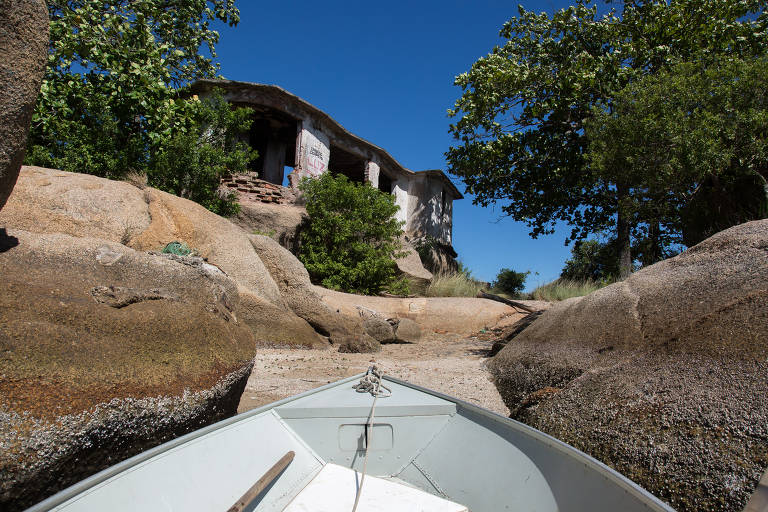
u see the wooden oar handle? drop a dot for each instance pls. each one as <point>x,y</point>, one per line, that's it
<point>262,483</point>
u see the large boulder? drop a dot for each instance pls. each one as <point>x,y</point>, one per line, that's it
<point>661,376</point>
<point>460,315</point>
<point>409,266</point>
<point>282,222</point>
<point>298,292</point>
<point>51,201</point>
<point>23,52</point>
<point>106,352</point>
<point>408,331</point>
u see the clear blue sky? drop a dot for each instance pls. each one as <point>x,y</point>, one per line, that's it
<point>385,71</point>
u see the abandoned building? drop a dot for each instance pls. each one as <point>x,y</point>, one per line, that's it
<point>293,136</point>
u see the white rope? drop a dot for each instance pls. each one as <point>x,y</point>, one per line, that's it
<point>370,383</point>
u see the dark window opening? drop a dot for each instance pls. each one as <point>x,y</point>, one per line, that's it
<point>348,164</point>
<point>385,183</point>
<point>273,135</point>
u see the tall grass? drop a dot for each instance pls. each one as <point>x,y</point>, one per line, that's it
<point>561,289</point>
<point>453,285</point>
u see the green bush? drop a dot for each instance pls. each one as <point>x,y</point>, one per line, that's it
<point>510,282</point>
<point>352,237</point>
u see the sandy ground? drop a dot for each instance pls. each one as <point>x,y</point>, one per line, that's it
<point>451,364</point>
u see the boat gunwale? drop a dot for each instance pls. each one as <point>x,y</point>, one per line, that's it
<point>602,469</point>
<point>107,473</point>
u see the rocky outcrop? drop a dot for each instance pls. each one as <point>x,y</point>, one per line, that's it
<point>282,222</point>
<point>437,257</point>
<point>445,314</point>
<point>107,351</point>
<point>51,201</point>
<point>23,52</point>
<point>408,331</point>
<point>409,266</point>
<point>298,292</point>
<point>379,329</point>
<point>661,376</point>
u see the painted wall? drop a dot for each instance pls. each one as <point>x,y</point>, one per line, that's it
<point>312,151</point>
<point>430,208</point>
<point>400,188</point>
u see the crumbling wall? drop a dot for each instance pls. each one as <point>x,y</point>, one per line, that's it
<point>249,187</point>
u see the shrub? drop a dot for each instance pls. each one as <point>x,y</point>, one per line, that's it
<point>510,282</point>
<point>352,236</point>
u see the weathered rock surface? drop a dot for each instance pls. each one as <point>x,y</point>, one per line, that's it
<point>445,314</point>
<point>411,268</point>
<point>509,332</point>
<point>358,344</point>
<point>23,52</point>
<point>85,321</point>
<point>298,292</point>
<point>51,201</point>
<point>408,331</point>
<point>379,329</point>
<point>275,326</point>
<point>279,221</point>
<point>661,376</point>
<point>437,257</point>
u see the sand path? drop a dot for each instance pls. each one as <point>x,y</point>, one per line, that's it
<point>451,364</point>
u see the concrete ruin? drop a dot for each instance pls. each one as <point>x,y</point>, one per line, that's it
<point>289,132</point>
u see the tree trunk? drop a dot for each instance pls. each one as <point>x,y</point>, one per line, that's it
<point>654,243</point>
<point>623,229</point>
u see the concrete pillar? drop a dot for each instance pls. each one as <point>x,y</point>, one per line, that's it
<point>312,152</point>
<point>274,162</point>
<point>372,173</point>
<point>400,191</point>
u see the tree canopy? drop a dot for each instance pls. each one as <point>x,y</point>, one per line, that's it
<point>520,128</point>
<point>509,281</point>
<point>690,130</point>
<point>110,96</point>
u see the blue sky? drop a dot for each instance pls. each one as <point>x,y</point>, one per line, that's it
<point>385,71</point>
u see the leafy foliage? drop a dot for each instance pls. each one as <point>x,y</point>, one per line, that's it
<point>199,153</point>
<point>352,237</point>
<point>521,117</point>
<point>509,281</point>
<point>672,133</point>
<point>591,260</point>
<point>109,98</point>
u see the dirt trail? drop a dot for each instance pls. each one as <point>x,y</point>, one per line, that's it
<point>451,364</point>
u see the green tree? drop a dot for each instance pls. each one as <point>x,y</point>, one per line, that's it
<point>681,131</point>
<point>352,237</point>
<point>509,281</point>
<point>520,129</point>
<point>192,161</point>
<point>592,260</point>
<point>110,96</point>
